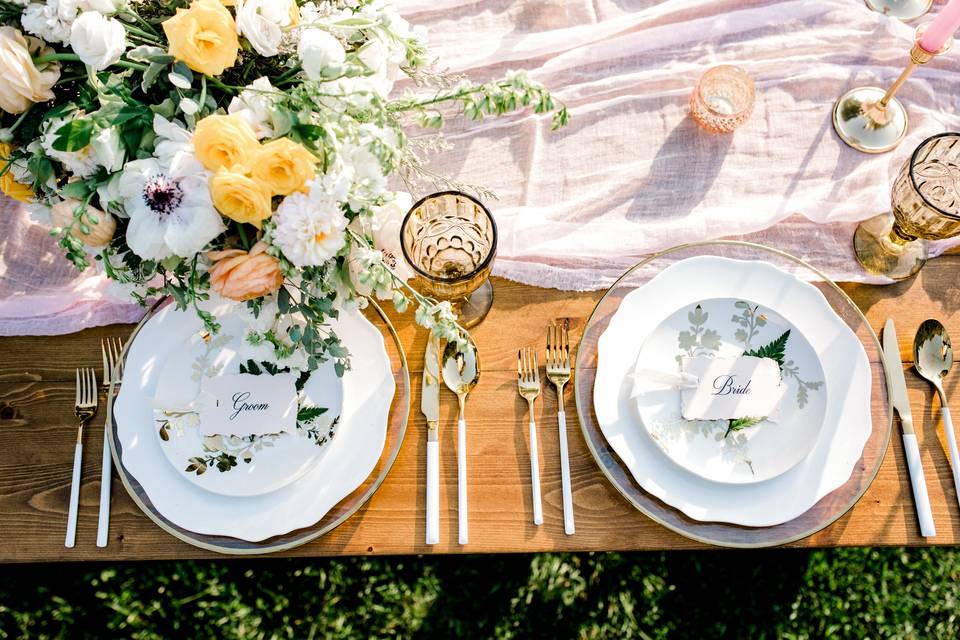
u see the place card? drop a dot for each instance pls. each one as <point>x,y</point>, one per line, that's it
<point>727,388</point>
<point>248,405</point>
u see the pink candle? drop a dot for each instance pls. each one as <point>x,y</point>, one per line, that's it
<point>941,28</point>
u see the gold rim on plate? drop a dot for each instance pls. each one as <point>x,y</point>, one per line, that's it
<point>338,514</point>
<point>830,507</point>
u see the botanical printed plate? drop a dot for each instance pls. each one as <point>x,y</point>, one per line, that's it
<point>228,464</point>
<point>846,374</point>
<point>238,524</point>
<point>748,449</point>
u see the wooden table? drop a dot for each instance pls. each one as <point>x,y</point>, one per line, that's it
<point>37,436</point>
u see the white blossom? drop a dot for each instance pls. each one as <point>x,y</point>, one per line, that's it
<point>309,228</point>
<point>168,199</point>
<point>320,52</point>
<point>256,104</point>
<point>259,21</point>
<point>107,150</point>
<point>98,40</point>
<point>50,20</point>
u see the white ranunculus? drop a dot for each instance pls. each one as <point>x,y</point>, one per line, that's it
<point>263,34</point>
<point>107,150</point>
<point>318,50</point>
<point>98,40</point>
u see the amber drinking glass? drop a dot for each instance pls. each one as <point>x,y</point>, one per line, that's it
<point>450,240</point>
<point>926,206</point>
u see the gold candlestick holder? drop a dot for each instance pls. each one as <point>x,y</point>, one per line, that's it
<point>872,120</point>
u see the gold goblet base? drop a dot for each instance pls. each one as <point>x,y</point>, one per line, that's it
<point>866,127</point>
<point>881,251</point>
<point>474,308</point>
<point>905,10</point>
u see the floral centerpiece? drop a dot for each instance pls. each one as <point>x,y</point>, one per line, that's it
<point>236,146</point>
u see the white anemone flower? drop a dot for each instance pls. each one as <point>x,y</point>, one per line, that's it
<point>168,199</point>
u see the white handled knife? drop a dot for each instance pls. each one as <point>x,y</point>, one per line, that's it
<point>897,386</point>
<point>430,407</point>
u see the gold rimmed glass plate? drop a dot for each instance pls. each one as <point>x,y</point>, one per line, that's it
<point>341,511</point>
<point>830,506</point>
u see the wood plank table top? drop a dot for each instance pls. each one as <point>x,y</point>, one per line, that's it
<point>37,434</point>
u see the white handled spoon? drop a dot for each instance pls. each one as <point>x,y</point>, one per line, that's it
<point>932,358</point>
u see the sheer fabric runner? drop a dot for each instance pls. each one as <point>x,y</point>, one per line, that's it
<point>632,173</point>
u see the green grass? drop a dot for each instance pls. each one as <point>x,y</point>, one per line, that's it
<point>847,593</point>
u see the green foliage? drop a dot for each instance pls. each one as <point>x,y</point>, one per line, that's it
<point>741,423</point>
<point>306,415</point>
<point>790,594</point>
<point>774,350</point>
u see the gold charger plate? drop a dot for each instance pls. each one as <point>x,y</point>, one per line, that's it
<point>348,506</point>
<point>829,508</point>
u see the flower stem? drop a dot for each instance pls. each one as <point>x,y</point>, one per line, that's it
<point>244,241</point>
<point>55,57</point>
<point>19,120</point>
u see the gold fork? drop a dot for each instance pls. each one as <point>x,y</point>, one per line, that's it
<point>85,407</point>
<point>110,349</point>
<point>528,381</point>
<point>558,372</point>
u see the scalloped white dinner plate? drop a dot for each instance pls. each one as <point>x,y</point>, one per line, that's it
<point>368,389</point>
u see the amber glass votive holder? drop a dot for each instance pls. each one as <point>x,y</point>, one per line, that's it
<point>723,99</point>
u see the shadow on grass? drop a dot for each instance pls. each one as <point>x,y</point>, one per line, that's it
<point>844,593</point>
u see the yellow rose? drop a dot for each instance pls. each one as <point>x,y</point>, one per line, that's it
<point>8,184</point>
<point>21,83</point>
<point>240,197</point>
<point>224,141</point>
<point>203,36</point>
<point>283,165</point>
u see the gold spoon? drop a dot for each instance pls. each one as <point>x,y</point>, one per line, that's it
<point>932,358</point>
<point>461,371</point>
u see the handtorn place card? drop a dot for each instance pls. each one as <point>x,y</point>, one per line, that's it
<point>247,405</point>
<point>727,388</point>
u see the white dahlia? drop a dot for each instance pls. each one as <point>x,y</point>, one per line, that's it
<point>309,229</point>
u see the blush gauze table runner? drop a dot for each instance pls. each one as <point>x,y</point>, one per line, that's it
<point>631,173</point>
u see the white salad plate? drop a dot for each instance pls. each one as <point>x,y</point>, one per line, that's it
<point>719,450</point>
<point>343,464</point>
<point>846,424</point>
<point>252,465</point>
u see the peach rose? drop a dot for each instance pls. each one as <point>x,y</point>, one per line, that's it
<point>93,227</point>
<point>239,275</point>
<point>21,83</point>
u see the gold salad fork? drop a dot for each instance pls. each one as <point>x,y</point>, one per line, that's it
<point>528,381</point>
<point>111,350</point>
<point>85,407</point>
<point>558,372</point>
